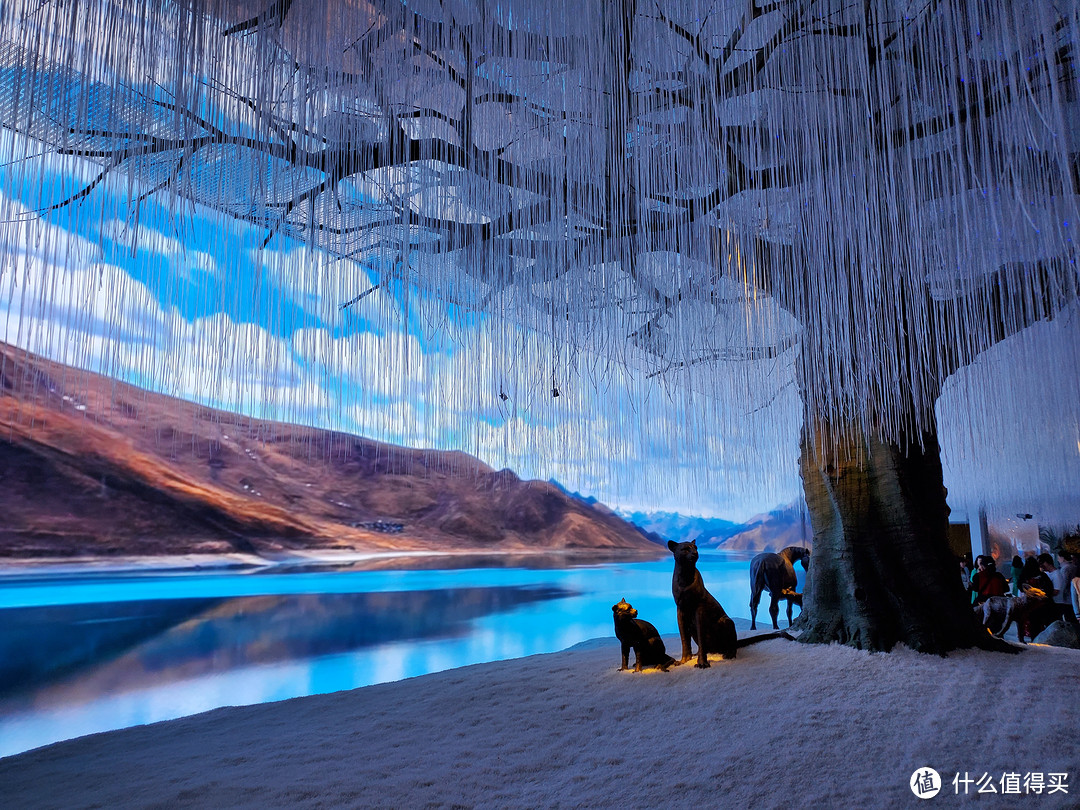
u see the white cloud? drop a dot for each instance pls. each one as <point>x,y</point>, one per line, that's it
<point>136,236</point>
<point>99,318</point>
<point>195,266</point>
<point>26,236</point>
<point>319,285</point>
<point>100,300</point>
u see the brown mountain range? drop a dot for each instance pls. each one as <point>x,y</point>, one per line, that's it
<point>93,467</point>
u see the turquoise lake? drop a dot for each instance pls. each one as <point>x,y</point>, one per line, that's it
<point>83,653</point>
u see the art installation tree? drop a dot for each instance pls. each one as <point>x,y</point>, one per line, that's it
<point>880,191</point>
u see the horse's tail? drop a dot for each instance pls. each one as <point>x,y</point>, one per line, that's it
<point>747,641</point>
<point>757,571</point>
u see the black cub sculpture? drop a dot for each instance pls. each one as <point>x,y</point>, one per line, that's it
<point>701,617</point>
<point>637,633</point>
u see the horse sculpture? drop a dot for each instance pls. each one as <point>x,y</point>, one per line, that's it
<point>1005,610</point>
<point>775,573</point>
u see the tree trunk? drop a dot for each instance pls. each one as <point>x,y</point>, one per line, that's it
<point>882,571</point>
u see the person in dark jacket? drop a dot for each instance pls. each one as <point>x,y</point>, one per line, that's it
<point>1033,576</point>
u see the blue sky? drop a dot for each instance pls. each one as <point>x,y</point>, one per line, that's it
<point>178,299</point>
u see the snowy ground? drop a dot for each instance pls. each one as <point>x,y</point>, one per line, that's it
<point>785,725</point>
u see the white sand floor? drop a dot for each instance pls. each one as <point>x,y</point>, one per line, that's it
<point>785,725</point>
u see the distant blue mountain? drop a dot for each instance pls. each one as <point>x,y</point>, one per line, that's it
<point>666,526</point>
<point>772,531</point>
<point>590,500</point>
<point>783,526</point>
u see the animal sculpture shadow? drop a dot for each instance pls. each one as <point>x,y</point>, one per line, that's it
<point>701,618</point>
<point>637,633</point>
<point>775,573</point>
<point>1005,610</point>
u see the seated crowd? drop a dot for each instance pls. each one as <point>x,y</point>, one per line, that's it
<point>1056,587</point>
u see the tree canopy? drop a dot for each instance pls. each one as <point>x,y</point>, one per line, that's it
<point>861,196</point>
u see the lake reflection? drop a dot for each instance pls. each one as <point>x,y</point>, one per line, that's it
<point>92,653</point>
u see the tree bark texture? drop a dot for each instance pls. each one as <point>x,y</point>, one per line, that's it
<point>882,571</point>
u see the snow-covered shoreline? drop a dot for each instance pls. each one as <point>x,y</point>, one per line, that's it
<point>784,725</point>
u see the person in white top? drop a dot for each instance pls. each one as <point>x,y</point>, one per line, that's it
<point>1063,577</point>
